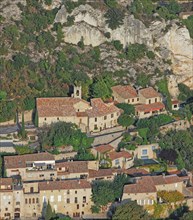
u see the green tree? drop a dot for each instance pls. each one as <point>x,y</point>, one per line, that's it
<point>23,131</point>
<point>36,121</point>
<point>143,80</point>
<point>114,18</point>
<point>125,120</point>
<point>130,210</point>
<point>3,95</point>
<point>187,216</point>
<point>102,88</point>
<point>48,2</point>
<point>127,108</point>
<point>49,214</point>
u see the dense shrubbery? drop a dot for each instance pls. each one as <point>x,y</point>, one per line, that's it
<point>64,134</point>
<point>114,18</point>
<point>181,142</point>
<point>189,24</point>
<point>104,192</point>
<point>170,197</point>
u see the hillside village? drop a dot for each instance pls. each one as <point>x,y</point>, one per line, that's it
<point>57,176</point>
<point>96,109</point>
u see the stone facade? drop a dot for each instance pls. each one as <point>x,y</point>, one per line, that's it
<point>89,117</point>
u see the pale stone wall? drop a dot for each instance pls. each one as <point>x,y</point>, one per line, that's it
<point>122,163</point>
<point>141,198</point>
<point>170,187</point>
<point>58,201</point>
<point>6,201</point>
<point>27,116</point>
<point>101,123</point>
<point>144,100</point>
<point>118,98</point>
<point>150,151</point>
<point>149,114</point>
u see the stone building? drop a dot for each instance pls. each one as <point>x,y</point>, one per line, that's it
<point>40,166</point>
<point>89,117</point>
<point>147,101</point>
<point>70,197</point>
<point>145,189</point>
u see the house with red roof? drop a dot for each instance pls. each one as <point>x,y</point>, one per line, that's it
<point>89,117</point>
<point>125,94</point>
<point>121,159</point>
<point>102,151</point>
<point>145,188</point>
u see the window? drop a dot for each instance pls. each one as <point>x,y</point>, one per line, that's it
<point>153,147</point>
<point>75,200</point>
<point>128,101</point>
<point>137,99</point>
<point>149,101</point>
<point>82,213</point>
<point>155,99</point>
<point>6,209</point>
<point>31,189</point>
<point>117,162</point>
<point>68,200</point>
<point>105,117</point>
<point>75,192</point>
<point>17,203</point>
<point>29,201</point>
<point>44,119</point>
<point>25,201</point>
<point>59,198</point>
<point>84,199</point>
<point>37,200</point>
<point>58,119</point>
<point>77,206</point>
<point>51,198</point>
<point>112,115</point>
<point>95,127</point>
<point>144,151</point>
<point>51,174</point>
<point>33,200</point>
<point>133,100</point>
<point>68,192</point>
<point>41,175</point>
<point>95,119</point>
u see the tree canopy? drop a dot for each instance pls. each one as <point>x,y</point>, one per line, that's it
<point>130,210</point>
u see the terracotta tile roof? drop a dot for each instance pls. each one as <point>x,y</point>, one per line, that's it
<point>19,161</point>
<point>81,114</point>
<point>64,185</point>
<point>100,173</point>
<point>57,106</point>
<point>136,172</point>
<point>162,180</point>
<point>104,148</point>
<point>115,155</point>
<point>99,108</point>
<point>175,102</point>
<point>147,184</point>
<point>5,181</point>
<point>125,92</point>
<point>144,185</point>
<point>150,107</point>
<point>73,166</point>
<point>149,93</point>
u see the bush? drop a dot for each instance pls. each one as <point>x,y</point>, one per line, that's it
<point>136,51</point>
<point>114,18</point>
<point>117,44</point>
<point>169,197</point>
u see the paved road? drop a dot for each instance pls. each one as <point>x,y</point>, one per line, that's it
<point>8,129</point>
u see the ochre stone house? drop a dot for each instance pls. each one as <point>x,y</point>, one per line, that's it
<point>147,101</point>
<point>89,117</point>
<point>145,189</point>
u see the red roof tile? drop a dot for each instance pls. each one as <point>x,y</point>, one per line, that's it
<point>143,185</point>
<point>99,108</point>
<point>115,155</point>
<point>5,181</point>
<point>150,107</point>
<point>175,102</point>
<point>162,180</point>
<point>125,92</point>
<point>19,161</point>
<point>136,172</point>
<point>57,106</point>
<point>104,148</point>
<point>100,173</point>
<point>64,185</point>
<point>149,93</point>
<point>73,166</point>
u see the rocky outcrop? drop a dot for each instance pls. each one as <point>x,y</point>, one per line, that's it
<point>9,9</point>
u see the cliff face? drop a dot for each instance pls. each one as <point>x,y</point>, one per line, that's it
<point>170,41</point>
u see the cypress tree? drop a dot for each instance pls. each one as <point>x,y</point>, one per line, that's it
<point>49,213</point>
